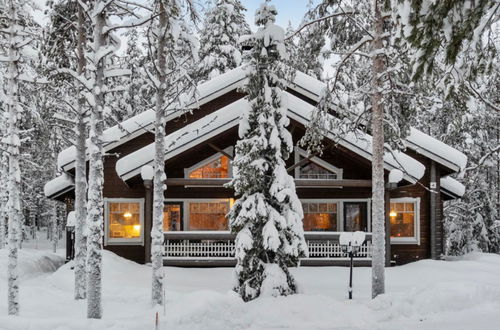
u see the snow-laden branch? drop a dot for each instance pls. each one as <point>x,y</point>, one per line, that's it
<point>324,18</point>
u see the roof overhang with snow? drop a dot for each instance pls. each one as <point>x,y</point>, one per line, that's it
<point>59,186</point>
<point>228,117</point>
<point>451,187</point>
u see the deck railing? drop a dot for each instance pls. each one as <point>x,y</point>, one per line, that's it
<point>220,245</point>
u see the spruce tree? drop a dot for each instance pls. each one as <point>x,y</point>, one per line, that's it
<point>267,217</point>
<point>219,43</point>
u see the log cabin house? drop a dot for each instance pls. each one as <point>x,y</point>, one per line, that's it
<point>335,188</point>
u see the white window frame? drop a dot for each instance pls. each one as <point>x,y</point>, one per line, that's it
<point>415,240</point>
<point>318,161</point>
<point>123,241</point>
<point>340,210</point>
<point>185,208</point>
<point>228,150</point>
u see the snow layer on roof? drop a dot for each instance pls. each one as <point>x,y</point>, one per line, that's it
<point>111,136</point>
<point>228,116</point>
<point>452,185</point>
<point>418,141</point>
<point>114,135</point>
<point>360,142</point>
<point>58,184</point>
<point>436,147</point>
<point>182,139</point>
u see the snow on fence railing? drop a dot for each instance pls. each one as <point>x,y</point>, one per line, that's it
<point>206,245</point>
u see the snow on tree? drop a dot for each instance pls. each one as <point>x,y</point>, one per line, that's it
<point>220,50</point>
<point>18,36</point>
<point>172,51</point>
<point>4,169</point>
<point>267,217</point>
<point>59,50</point>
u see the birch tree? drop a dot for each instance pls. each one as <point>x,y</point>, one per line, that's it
<point>267,217</point>
<point>172,50</point>
<point>19,34</point>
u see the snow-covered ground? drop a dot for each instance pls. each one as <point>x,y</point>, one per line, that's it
<point>459,294</point>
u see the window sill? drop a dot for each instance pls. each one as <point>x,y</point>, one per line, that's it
<point>405,241</point>
<point>124,242</point>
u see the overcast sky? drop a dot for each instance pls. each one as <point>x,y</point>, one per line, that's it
<point>288,10</point>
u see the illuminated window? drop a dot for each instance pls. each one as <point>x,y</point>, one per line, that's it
<point>320,216</point>
<point>124,221</point>
<point>172,217</point>
<point>217,168</point>
<point>404,219</point>
<point>208,215</point>
<point>315,168</point>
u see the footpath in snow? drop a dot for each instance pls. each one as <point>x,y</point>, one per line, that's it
<point>459,294</point>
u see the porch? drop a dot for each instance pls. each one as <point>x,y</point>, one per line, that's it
<point>216,249</point>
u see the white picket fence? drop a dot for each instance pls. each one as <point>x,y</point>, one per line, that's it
<point>225,249</point>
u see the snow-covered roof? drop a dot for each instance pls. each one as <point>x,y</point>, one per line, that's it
<point>450,185</point>
<point>183,139</point>
<point>303,83</point>
<point>436,150</point>
<point>58,185</point>
<point>417,140</point>
<point>137,125</point>
<point>112,137</point>
<point>227,117</point>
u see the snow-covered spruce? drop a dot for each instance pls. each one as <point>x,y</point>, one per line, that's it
<point>267,217</point>
<point>219,42</point>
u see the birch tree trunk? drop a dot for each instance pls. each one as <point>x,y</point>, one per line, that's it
<point>80,174</point>
<point>159,177</point>
<point>14,183</point>
<point>4,168</point>
<point>378,218</point>
<point>95,209</point>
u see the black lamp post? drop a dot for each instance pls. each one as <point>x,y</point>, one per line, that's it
<point>350,243</point>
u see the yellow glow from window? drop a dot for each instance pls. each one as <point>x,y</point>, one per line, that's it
<point>137,227</point>
<point>127,215</point>
<point>393,214</point>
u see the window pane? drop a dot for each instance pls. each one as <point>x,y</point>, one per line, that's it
<point>320,217</point>
<point>124,220</point>
<point>402,218</point>
<point>314,171</point>
<point>208,216</point>
<point>172,217</point>
<point>218,168</point>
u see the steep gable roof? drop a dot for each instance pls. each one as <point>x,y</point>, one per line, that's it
<point>228,117</point>
<point>143,122</point>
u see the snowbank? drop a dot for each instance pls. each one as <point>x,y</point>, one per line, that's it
<point>460,294</point>
<point>31,263</point>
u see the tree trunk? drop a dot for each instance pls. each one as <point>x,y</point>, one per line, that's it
<point>4,168</point>
<point>80,174</point>
<point>378,229</point>
<point>159,177</point>
<point>14,183</point>
<point>95,209</point>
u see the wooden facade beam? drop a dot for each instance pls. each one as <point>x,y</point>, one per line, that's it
<point>301,162</point>
<point>300,183</point>
<point>213,146</point>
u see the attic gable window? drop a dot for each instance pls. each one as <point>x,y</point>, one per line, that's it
<point>217,166</point>
<point>316,168</point>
